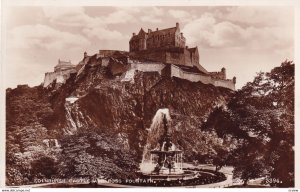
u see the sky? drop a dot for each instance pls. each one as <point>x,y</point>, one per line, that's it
<point>243,39</point>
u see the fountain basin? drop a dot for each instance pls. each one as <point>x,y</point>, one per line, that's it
<point>184,175</point>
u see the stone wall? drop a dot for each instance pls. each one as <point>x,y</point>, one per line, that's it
<point>49,78</point>
<point>187,58</point>
<point>180,56</point>
<point>59,76</point>
<point>195,58</point>
<point>175,58</point>
<point>206,79</point>
<point>159,56</point>
<point>148,67</point>
<point>224,83</point>
<point>143,67</point>
<point>162,40</point>
<point>194,77</point>
<point>218,75</point>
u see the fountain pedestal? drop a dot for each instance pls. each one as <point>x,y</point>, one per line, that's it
<point>167,162</point>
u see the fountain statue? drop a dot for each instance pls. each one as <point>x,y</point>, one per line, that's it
<point>167,158</point>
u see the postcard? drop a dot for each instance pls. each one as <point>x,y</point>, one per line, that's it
<point>108,95</point>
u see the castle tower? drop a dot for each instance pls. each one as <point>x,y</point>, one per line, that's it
<point>223,70</point>
<point>143,38</point>
<point>138,42</point>
<point>85,54</point>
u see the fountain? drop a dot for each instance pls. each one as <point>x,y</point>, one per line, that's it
<point>167,158</point>
<point>165,161</point>
<point>162,161</point>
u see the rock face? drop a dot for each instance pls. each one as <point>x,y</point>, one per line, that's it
<point>97,100</point>
<point>107,103</point>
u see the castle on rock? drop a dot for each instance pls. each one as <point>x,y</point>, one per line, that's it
<point>166,45</point>
<point>163,51</point>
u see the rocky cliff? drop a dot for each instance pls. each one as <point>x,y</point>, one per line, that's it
<point>95,101</point>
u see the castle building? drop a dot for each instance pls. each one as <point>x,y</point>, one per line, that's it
<point>165,45</point>
<point>61,73</point>
<point>165,38</point>
<point>63,65</point>
<point>163,51</point>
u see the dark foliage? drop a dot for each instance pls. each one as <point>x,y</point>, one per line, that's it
<point>261,116</point>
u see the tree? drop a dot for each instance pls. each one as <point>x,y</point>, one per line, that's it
<point>220,158</point>
<point>44,167</point>
<point>249,166</point>
<point>24,147</point>
<point>94,154</point>
<point>261,114</point>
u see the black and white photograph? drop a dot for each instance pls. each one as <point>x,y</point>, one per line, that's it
<point>126,96</point>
